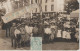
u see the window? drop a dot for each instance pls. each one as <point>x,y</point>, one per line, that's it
<point>35,1</point>
<point>36,10</point>
<point>31,1</point>
<point>45,7</point>
<point>52,0</point>
<point>41,1</point>
<point>52,7</point>
<point>38,1</point>
<point>46,1</point>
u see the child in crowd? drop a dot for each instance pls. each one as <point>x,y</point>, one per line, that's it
<point>52,34</point>
<point>68,37</point>
<point>77,34</point>
<point>59,33</point>
<point>53,28</point>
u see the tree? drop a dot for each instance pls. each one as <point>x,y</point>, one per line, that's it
<point>71,5</point>
<point>2,10</point>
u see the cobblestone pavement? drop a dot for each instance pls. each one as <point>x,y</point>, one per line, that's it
<point>5,44</point>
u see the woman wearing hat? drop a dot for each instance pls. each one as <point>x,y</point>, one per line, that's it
<point>53,31</point>
<point>47,34</point>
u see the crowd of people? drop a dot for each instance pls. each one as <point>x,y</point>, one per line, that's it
<point>51,30</point>
<point>63,28</point>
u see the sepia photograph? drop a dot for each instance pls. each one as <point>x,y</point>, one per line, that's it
<point>39,25</point>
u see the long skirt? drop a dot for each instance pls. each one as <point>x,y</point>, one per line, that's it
<point>59,34</point>
<point>46,38</point>
<point>52,36</point>
<point>77,37</point>
<point>68,36</point>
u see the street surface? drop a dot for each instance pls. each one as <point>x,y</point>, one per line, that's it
<point>5,44</point>
<point>61,46</point>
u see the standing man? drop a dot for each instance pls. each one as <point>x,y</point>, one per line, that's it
<point>35,31</point>
<point>27,35</point>
<point>12,32</point>
<point>73,31</point>
<point>27,32</point>
<point>23,32</point>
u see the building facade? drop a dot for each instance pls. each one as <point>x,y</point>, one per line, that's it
<point>49,5</point>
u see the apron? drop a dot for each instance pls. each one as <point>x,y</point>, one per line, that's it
<point>52,33</point>
<point>59,34</point>
<point>52,36</point>
<point>64,34</point>
<point>77,36</point>
<point>68,35</point>
<point>47,30</point>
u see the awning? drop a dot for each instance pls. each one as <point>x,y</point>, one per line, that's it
<point>75,14</point>
<point>14,15</point>
<point>18,13</point>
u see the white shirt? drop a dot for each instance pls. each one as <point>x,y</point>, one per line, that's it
<point>28,29</point>
<point>77,29</point>
<point>16,32</point>
<point>68,35</point>
<point>59,33</point>
<point>45,22</point>
<point>53,27</point>
<point>47,30</point>
<point>66,25</point>
<point>64,34</point>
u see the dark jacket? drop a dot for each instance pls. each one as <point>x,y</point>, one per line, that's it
<point>12,32</point>
<point>35,30</point>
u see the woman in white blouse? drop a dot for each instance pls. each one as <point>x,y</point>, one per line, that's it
<point>47,32</point>
<point>28,31</point>
<point>59,33</point>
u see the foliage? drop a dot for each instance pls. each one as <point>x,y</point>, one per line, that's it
<point>71,5</point>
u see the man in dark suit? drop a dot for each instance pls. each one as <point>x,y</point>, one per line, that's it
<point>12,33</point>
